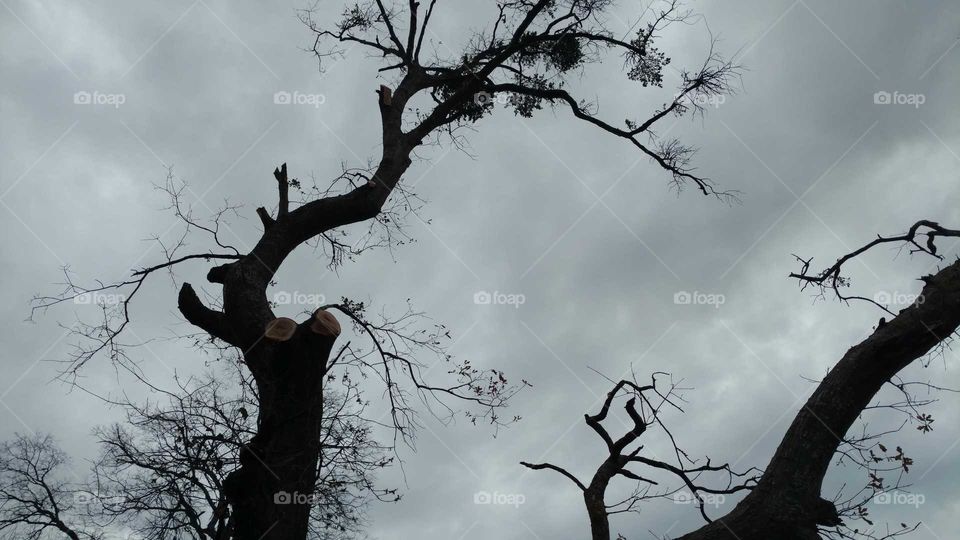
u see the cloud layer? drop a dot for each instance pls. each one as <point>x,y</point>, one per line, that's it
<point>826,140</point>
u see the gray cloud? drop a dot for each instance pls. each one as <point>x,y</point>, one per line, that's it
<point>821,166</point>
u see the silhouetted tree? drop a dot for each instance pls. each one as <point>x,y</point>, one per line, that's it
<point>700,483</point>
<point>163,469</point>
<point>625,458</point>
<point>36,501</point>
<point>160,473</point>
<point>527,52</point>
<point>786,502</point>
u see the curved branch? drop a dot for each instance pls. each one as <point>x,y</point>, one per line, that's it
<point>540,466</point>
<point>210,321</point>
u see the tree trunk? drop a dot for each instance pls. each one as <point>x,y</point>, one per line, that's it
<point>786,503</point>
<point>594,497</point>
<point>597,511</point>
<point>272,492</point>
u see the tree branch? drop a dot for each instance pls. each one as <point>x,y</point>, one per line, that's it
<point>210,321</point>
<point>540,466</point>
<point>283,187</point>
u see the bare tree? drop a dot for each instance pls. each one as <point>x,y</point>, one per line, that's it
<point>163,469</point>
<point>160,473</point>
<point>527,52</point>
<point>624,458</point>
<point>786,502</point>
<point>35,500</point>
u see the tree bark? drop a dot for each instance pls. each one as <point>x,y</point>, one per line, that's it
<point>786,504</point>
<point>593,497</point>
<point>272,492</point>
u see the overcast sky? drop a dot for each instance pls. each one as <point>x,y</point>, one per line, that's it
<point>580,224</point>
